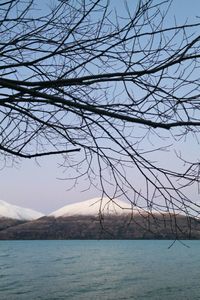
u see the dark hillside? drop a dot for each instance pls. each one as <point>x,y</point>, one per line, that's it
<point>111,227</point>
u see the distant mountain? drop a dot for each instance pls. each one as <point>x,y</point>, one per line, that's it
<point>10,211</point>
<point>95,207</point>
<point>110,227</point>
<point>95,219</point>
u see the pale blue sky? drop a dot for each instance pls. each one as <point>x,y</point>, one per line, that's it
<point>30,185</point>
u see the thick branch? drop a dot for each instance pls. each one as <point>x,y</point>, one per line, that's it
<point>16,153</point>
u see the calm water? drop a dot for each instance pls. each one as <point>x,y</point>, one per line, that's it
<point>98,270</point>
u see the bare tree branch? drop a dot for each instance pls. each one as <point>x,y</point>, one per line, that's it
<point>115,88</point>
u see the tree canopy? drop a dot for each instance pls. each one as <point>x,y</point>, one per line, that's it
<point>109,89</point>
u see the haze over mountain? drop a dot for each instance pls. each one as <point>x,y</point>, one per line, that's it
<point>92,207</point>
<point>10,211</point>
<point>96,206</point>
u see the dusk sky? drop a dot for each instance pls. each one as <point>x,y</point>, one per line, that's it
<point>37,185</point>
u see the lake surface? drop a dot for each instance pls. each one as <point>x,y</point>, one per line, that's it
<point>98,270</point>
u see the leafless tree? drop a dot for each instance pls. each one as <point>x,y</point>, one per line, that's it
<point>108,89</point>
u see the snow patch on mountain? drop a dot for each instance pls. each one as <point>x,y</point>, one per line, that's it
<point>16,212</point>
<point>96,206</point>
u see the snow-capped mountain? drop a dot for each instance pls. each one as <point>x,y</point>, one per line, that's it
<point>16,212</point>
<point>94,207</point>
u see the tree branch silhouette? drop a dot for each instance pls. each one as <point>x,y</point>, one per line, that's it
<point>80,76</point>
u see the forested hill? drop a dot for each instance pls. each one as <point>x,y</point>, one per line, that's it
<point>110,227</point>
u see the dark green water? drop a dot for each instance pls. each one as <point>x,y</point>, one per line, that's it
<point>98,270</point>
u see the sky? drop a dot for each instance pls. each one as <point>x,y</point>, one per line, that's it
<point>38,185</point>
